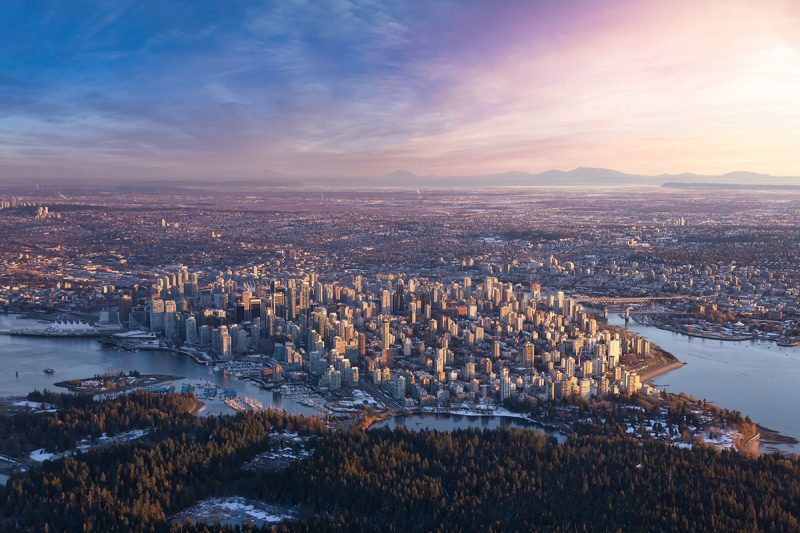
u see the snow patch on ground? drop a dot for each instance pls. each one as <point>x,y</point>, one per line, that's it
<point>234,510</point>
<point>41,456</point>
<point>123,437</point>
<point>30,405</point>
<point>364,398</point>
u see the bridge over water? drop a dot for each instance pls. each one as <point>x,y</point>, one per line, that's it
<point>629,300</point>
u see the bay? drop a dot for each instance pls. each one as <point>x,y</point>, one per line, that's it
<point>757,378</point>
<point>23,360</point>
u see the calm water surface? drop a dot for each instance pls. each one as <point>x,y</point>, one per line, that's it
<point>74,358</point>
<point>758,378</point>
<point>451,422</point>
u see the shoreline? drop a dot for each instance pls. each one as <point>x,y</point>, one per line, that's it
<point>651,373</point>
<point>199,405</point>
<point>708,336</point>
<point>75,385</point>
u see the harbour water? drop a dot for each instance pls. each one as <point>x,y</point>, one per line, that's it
<point>758,378</point>
<point>74,358</point>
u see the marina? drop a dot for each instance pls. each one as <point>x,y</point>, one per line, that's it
<point>76,358</point>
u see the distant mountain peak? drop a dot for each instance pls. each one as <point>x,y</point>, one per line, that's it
<point>400,174</point>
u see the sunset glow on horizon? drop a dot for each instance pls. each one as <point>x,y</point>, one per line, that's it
<point>362,88</point>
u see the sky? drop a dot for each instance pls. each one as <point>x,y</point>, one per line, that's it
<point>327,88</point>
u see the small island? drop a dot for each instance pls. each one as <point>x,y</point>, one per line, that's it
<point>118,382</point>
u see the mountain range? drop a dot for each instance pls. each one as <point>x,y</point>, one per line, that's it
<point>582,176</point>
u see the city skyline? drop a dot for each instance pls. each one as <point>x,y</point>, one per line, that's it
<point>387,265</point>
<point>360,89</point>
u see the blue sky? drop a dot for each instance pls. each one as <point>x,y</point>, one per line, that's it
<point>350,87</point>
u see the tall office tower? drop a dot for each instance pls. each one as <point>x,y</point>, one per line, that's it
<point>278,301</point>
<point>124,308</point>
<point>224,343</point>
<point>505,388</point>
<point>191,330</point>
<point>362,345</point>
<point>560,301</point>
<point>585,388</point>
<point>316,362</point>
<point>587,368</point>
<point>358,284</point>
<point>238,313</point>
<point>352,376</point>
<point>386,336</point>
<point>407,347</point>
<point>488,287</point>
<point>291,297</point>
<point>632,382</point>
<point>246,297</point>
<point>215,342</point>
<point>411,286</point>
<point>255,309</point>
<point>570,366</point>
<point>441,357</point>
<point>528,351</point>
<point>570,307</point>
<point>614,352</point>
<point>242,340</point>
<point>469,370</point>
<point>495,348</point>
<point>255,334</point>
<point>157,315</point>
<point>398,387</point>
<point>399,300</point>
<point>508,292</point>
<point>305,297</point>
<point>205,334</point>
<point>170,323</point>
<point>220,300</point>
<point>386,302</point>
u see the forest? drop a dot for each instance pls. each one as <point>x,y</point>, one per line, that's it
<point>74,417</point>
<point>397,480</point>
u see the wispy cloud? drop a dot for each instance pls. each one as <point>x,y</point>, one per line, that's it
<point>364,87</point>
